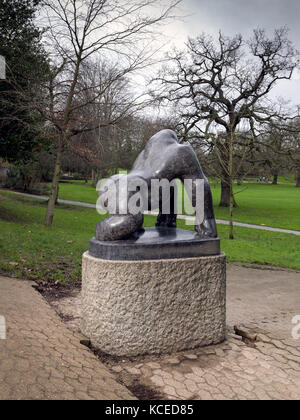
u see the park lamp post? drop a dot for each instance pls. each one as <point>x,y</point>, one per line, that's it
<point>2,68</point>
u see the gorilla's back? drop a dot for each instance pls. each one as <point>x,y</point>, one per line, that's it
<point>161,146</point>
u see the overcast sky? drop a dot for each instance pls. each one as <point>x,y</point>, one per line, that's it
<point>242,16</point>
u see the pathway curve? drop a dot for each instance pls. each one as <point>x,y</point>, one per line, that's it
<point>41,358</point>
<point>189,218</point>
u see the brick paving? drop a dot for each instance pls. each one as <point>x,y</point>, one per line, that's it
<point>260,301</point>
<point>229,371</point>
<point>41,358</point>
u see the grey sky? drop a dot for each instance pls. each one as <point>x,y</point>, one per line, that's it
<point>242,16</point>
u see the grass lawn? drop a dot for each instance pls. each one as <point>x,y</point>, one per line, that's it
<point>258,204</point>
<point>30,250</point>
<point>78,191</point>
<point>264,204</point>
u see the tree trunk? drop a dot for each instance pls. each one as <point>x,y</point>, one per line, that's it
<point>95,176</point>
<point>225,192</point>
<point>54,188</point>
<point>298,179</point>
<point>63,136</point>
<point>230,178</point>
<point>240,181</point>
<point>231,235</point>
<point>275,178</point>
<point>226,163</point>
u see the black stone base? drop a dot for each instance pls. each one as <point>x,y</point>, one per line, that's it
<point>156,243</point>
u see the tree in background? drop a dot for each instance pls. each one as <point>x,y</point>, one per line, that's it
<point>118,122</point>
<point>292,147</point>
<point>118,30</point>
<point>106,141</point>
<point>224,87</point>
<point>272,150</point>
<point>26,66</point>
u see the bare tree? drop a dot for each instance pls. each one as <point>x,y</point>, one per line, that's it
<point>119,30</point>
<point>223,87</point>
<point>119,124</point>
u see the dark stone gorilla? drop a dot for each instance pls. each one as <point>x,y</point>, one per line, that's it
<point>162,158</point>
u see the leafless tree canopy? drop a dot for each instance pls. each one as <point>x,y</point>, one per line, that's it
<point>222,84</point>
<point>221,91</point>
<point>88,26</point>
<point>117,32</point>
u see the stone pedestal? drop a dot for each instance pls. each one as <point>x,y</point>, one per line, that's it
<point>153,306</point>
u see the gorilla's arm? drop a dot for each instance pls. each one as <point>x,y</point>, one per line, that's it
<point>190,169</point>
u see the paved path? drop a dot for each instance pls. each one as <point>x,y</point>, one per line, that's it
<point>189,218</point>
<point>264,299</point>
<point>260,301</point>
<point>44,198</point>
<point>41,358</point>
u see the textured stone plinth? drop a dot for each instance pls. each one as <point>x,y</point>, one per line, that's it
<point>156,306</point>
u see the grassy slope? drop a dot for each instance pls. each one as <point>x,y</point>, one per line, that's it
<point>78,191</point>
<point>260,204</point>
<point>55,254</point>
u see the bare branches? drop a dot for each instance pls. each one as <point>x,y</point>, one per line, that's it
<point>79,30</point>
<point>221,82</point>
<point>104,25</point>
<point>221,89</point>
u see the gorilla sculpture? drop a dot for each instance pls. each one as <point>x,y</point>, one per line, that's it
<point>162,158</point>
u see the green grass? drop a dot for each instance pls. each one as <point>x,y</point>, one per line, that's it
<point>263,204</point>
<point>78,191</point>
<point>258,204</point>
<point>30,250</point>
